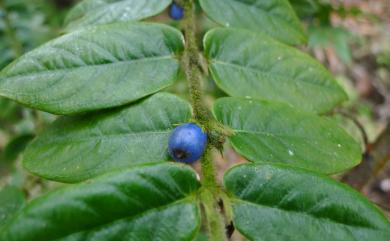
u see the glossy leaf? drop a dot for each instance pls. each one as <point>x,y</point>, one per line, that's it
<point>274,202</point>
<point>275,18</point>
<point>93,12</point>
<point>77,148</point>
<point>135,204</point>
<point>95,68</point>
<point>11,200</point>
<point>272,132</point>
<point>249,64</point>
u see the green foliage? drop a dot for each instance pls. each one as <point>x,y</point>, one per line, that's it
<point>16,146</point>
<point>77,148</point>
<point>24,26</point>
<point>272,132</point>
<point>11,200</point>
<point>92,12</point>
<point>8,109</point>
<point>336,37</point>
<point>306,205</point>
<point>266,69</point>
<point>57,77</point>
<point>305,8</point>
<point>321,33</point>
<point>273,17</point>
<point>125,187</point>
<point>383,58</point>
<point>134,203</point>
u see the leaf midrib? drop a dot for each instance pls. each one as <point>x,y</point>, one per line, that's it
<point>281,139</point>
<point>281,77</point>
<point>104,137</point>
<point>237,200</point>
<point>269,134</point>
<point>133,61</point>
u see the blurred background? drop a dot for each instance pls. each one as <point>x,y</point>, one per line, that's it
<point>351,38</point>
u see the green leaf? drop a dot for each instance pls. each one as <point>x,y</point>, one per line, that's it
<point>94,12</point>
<point>16,146</point>
<point>331,37</point>
<point>305,8</point>
<point>9,110</point>
<point>275,18</point>
<point>77,148</point>
<point>95,68</point>
<point>273,203</point>
<point>11,200</point>
<point>135,204</point>
<point>251,64</point>
<point>272,132</point>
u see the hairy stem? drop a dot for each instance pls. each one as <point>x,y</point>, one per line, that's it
<point>210,197</point>
<point>209,180</point>
<point>215,224</point>
<point>191,62</point>
<point>194,77</point>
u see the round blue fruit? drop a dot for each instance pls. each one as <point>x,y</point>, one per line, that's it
<point>187,143</point>
<point>176,12</point>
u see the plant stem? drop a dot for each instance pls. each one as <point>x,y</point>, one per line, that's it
<point>215,224</point>
<point>11,34</point>
<point>194,77</point>
<point>191,63</point>
<point>210,197</point>
<point>209,180</point>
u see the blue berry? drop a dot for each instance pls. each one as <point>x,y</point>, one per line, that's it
<point>176,12</point>
<point>187,143</point>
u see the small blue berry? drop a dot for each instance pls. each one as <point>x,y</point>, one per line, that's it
<point>176,12</point>
<point>187,143</point>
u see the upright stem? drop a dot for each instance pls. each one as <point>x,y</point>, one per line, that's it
<point>209,180</point>
<point>191,63</point>
<point>210,197</point>
<point>215,224</point>
<point>194,76</point>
